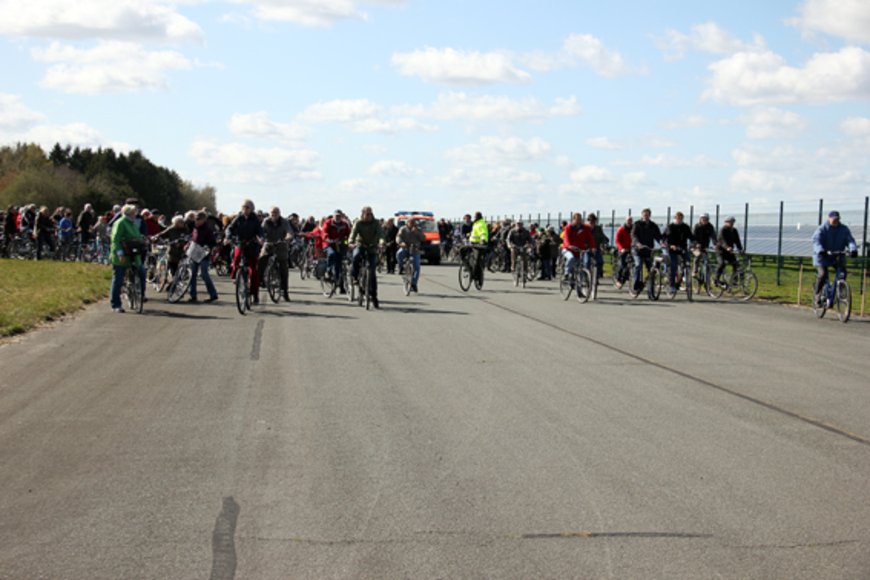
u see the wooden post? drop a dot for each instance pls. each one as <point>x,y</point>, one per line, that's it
<point>863,285</point>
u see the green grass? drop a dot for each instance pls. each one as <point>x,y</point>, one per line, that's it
<point>35,292</point>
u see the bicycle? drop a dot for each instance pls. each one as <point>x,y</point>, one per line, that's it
<point>131,289</point>
<point>655,277</point>
<point>364,282</point>
<point>578,280</point>
<point>470,267</point>
<point>836,294</point>
<point>407,271</point>
<point>620,268</point>
<point>272,274</point>
<point>741,284</point>
<point>243,286</point>
<point>329,282</point>
<point>683,277</point>
<point>520,273</point>
<point>701,272</point>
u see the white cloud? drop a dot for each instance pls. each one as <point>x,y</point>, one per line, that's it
<point>340,111</point>
<point>764,78</point>
<point>592,174</point>
<point>391,126</point>
<point>707,37</point>
<point>856,126</point>
<point>847,19</point>
<point>460,106</point>
<point>579,49</point>
<point>239,163</point>
<point>260,125</point>
<point>393,168</point>
<point>603,143</point>
<point>459,67</point>
<point>75,134</point>
<point>668,161</point>
<point>321,13</point>
<point>15,116</point>
<point>105,19</point>
<point>764,181</point>
<point>689,121</point>
<point>109,67</point>
<point>497,151</point>
<point>773,123</point>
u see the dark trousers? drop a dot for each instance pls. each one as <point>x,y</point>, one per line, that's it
<point>724,258</point>
<point>371,256</point>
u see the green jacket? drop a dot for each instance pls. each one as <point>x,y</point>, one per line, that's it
<point>124,229</point>
<point>368,234</point>
<point>479,232</point>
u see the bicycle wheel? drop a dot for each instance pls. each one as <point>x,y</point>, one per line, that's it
<point>584,285</point>
<point>478,282</point>
<point>465,274</point>
<point>654,284</point>
<point>273,281</point>
<point>533,270</point>
<point>180,283</point>
<point>133,290</point>
<point>242,297</point>
<point>515,275</point>
<point>688,281</point>
<point>566,286</point>
<point>160,276</point>
<point>746,285</point>
<point>716,290</point>
<point>843,301</point>
<point>363,283</point>
<point>369,283</point>
<point>407,276</point>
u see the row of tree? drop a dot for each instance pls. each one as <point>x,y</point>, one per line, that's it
<point>72,177</point>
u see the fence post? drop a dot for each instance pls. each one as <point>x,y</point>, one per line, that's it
<point>778,245</point>
<point>548,218</point>
<point>800,280</point>
<point>746,228</point>
<point>717,217</point>
<point>560,219</point>
<point>668,220</point>
<point>629,212</point>
<point>864,252</point>
<point>821,210</point>
<point>613,227</point>
<point>691,215</point>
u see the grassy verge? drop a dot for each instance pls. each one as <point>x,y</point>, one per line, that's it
<point>34,292</point>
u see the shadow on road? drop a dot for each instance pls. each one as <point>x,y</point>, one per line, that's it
<point>168,314</point>
<point>298,314</point>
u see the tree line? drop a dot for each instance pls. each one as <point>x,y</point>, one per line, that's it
<point>71,177</point>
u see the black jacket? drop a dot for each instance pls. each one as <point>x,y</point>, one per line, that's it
<point>704,235</point>
<point>678,235</point>
<point>728,238</point>
<point>645,233</point>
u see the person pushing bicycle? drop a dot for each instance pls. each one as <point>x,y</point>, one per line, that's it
<point>831,237</point>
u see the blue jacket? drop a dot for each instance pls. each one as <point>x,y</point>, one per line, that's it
<point>831,239</point>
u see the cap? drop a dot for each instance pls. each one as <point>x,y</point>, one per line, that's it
<point>731,219</point>
<point>705,215</point>
<point>337,212</point>
<point>834,214</point>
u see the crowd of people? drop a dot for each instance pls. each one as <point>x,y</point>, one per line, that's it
<point>122,235</point>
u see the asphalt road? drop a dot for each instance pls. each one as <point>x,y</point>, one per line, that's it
<point>502,433</point>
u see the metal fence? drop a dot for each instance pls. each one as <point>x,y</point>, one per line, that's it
<point>764,229</point>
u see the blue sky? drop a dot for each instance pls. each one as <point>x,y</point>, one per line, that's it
<point>506,107</point>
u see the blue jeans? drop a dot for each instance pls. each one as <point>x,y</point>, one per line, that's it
<point>599,262</point>
<point>333,260</point>
<point>372,257</point>
<point>674,268</point>
<point>118,282</point>
<point>415,261</point>
<point>201,269</point>
<point>639,261</point>
<point>571,259</point>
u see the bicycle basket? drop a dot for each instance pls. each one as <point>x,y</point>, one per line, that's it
<point>135,247</point>
<point>196,252</point>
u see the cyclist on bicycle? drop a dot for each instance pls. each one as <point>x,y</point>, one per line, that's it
<point>831,236</point>
<point>466,227</point>
<point>705,236</point>
<point>479,239</point>
<point>576,238</point>
<point>729,239</point>
<point>278,232</point>
<point>410,239</point>
<point>518,239</point>
<point>366,236</point>
<point>676,239</point>
<point>176,234</point>
<point>623,246</point>
<point>336,231</point>
<point>644,234</point>
<point>125,233</point>
<point>246,227</point>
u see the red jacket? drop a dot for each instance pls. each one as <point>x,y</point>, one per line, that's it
<point>623,238</point>
<point>580,238</point>
<point>337,231</point>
